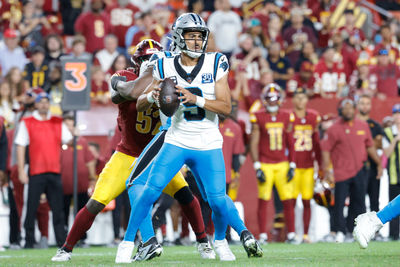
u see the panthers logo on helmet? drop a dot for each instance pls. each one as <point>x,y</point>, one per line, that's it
<point>143,51</point>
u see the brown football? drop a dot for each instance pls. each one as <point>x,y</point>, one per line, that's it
<point>169,102</point>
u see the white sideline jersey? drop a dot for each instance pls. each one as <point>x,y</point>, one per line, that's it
<point>193,127</point>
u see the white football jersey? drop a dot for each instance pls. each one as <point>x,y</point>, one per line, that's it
<point>193,127</point>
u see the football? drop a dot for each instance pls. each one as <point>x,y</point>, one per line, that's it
<point>169,102</point>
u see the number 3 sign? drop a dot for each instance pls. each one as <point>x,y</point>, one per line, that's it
<point>76,83</point>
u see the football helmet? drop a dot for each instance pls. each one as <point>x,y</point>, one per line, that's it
<point>143,51</point>
<point>189,22</point>
<point>272,97</point>
<point>323,193</point>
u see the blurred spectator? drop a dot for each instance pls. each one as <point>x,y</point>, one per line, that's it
<point>54,48</point>
<point>149,30</point>
<point>106,56</point>
<point>359,82</point>
<point>391,146</point>
<point>86,170</point>
<point>32,22</point>
<point>281,67</point>
<point>197,6</point>
<point>303,79</point>
<point>350,32</point>
<point>387,122</point>
<point>345,55</point>
<point>384,76</point>
<point>79,47</point>
<point>44,134</point>
<point>226,26</point>
<point>100,160</point>
<point>346,144</point>
<point>274,30</point>
<point>94,25</point>
<point>37,71</point>
<point>70,11</point>
<point>254,29</point>
<point>252,89</point>
<point>307,54</point>
<point>11,55</point>
<point>387,43</point>
<point>121,15</point>
<point>119,63</point>
<point>7,104</point>
<point>137,25</point>
<point>330,78</point>
<point>364,106</point>
<point>16,83</point>
<point>296,35</point>
<point>11,13</point>
<point>55,88</point>
<point>100,92</point>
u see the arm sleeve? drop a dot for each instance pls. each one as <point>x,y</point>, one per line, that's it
<point>66,135</point>
<point>236,162</point>
<point>22,136</point>
<point>3,149</point>
<point>158,72</point>
<point>79,24</point>
<point>223,68</point>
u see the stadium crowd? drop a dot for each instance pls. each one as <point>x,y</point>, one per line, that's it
<point>327,48</point>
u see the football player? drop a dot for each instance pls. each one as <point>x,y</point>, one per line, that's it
<point>306,149</point>
<point>136,133</point>
<point>269,143</point>
<point>193,137</point>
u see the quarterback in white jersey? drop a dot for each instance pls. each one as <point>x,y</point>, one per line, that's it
<point>193,138</point>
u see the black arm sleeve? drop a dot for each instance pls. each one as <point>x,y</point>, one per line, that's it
<point>236,163</point>
<point>3,150</point>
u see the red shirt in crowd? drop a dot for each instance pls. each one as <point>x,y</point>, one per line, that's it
<point>306,139</point>
<point>328,79</point>
<point>348,59</point>
<point>67,176</point>
<point>137,128</point>
<point>94,27</point>
<point>347,144</point>
<point>297,82</point>
<point>291,34</point>
<point>99,90</point>
<point>385,78</point>
<point>121,19</point>
<point>393,51</point>
<point>155,34</point>
<point>232,145</point>
<point>274,136</point>
<point>355,32</point>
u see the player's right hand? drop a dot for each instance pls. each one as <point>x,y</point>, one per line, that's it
<point>260,176</point>
<point>115,79</point>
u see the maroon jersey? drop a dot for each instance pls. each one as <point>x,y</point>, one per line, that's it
<point>384,78</point>
<point>137,128</point>
<point>306,139</point>
<point>275,140</point>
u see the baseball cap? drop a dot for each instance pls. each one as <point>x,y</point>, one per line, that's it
<point>253,22</point>
<point>383,52</point>
<point>42,95</point>
<point>306,66</point>
<point>11,33</point>
<point>396,108</point>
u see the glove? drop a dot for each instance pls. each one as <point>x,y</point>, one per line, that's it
<point>115,79</point>
<point>260,176</point>
<point>290,173</point>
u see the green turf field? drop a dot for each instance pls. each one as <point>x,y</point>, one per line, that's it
<point>378,254</point>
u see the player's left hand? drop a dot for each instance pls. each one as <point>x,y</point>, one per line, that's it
<point>115,79</point>
<point>185,95</point>
<point>290,174</point>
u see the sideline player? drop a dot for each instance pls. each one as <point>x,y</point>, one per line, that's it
<point>270,139</point>
<point>194,138</point>
<point>306,149</point>
<point>136,133</point>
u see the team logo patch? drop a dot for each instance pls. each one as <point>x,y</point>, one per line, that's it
<point>224,65</point>
<point>206,78</point>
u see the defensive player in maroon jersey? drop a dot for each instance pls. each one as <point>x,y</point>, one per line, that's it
<point>270,141</point>
<point>137,130</point>
<point>306,149</point>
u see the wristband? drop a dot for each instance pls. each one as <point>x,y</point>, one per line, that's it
<point>200,101</point>
<point>150,98</point>
<point>292,165</point>
<point>257,165</point>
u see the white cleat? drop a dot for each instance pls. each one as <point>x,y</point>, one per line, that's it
<point>206,251</point>
<point>340,237</point>
<point>124,252</point>
<point>62,255</point>
<point>263,239</point>
<point>224,252</point>
<point>366,226</point>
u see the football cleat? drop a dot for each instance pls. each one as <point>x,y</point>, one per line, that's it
<point>340,237</point>
<point>366,226</point>
<point>263,239</point>
<point>206,251</point>
<point>62,255</point>
<point>124,252</point>
<point>149,250</point>
<point>224,252</point>
<point>292,239</point>
<point>251,245</point>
